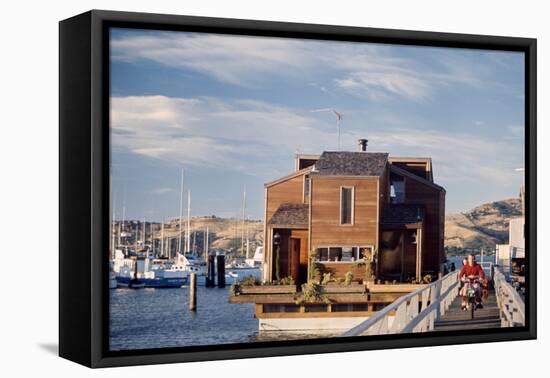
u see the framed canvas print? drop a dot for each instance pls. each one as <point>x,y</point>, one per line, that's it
<point>234,188</point>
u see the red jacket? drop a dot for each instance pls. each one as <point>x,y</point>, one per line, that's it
<point>474,270</point>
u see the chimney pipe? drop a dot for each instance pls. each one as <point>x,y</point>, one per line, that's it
<point>362,145</point>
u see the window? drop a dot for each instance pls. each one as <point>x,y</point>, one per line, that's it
<point>397,189</point>
<point>272,308</point>
<point>329,254</point>
<point>315,308</point>
<point>346,205</point>
<point>307,184</point>
<point>349,307</point>
<point>343,254</point>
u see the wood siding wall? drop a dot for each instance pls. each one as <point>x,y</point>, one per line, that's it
<point>433,199</point>
<point>288,191</point>
<point>339,270</point>
<point>325,228</point>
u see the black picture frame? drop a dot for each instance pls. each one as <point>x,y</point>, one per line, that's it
<point>84,186</point>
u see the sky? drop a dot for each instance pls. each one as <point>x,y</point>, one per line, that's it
<point>232,111</point>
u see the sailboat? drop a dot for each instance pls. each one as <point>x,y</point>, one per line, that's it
<point>184,258</point>
<point>250,266</point>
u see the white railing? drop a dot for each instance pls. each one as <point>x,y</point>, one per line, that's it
<point>510,303</point>
<point>414,312</point>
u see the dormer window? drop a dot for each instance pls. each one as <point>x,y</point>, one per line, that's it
<point>397,189</point>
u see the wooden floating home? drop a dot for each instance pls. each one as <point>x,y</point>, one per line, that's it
<point>337,213</point>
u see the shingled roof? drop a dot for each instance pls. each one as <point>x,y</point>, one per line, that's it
<point>345,163</point>
<point>292,214</point>
<point>401,215</point>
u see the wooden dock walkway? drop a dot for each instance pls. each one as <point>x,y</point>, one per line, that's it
<point>436,307</point>
<point>455,319</point>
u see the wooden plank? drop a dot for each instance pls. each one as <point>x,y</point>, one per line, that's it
<point>456,319</point>
<point>289,299</point>
<point>267,289</point>
<point>290,315</point>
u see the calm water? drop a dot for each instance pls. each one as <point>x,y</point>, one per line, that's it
<point>159,318</point>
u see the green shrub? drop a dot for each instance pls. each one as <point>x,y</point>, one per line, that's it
<point>312,292</point>
<point>327,277</point>
<point>287,281</point>
<point>249,281</point>
<point>349,278</point>
<point>313,266</point>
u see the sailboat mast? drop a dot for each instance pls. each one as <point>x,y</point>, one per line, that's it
<point>144,229</point>
<point>136,232</point>
<point>188,239</point>
<point>247,239</point>
<point>206,244</point>
<point>113,227</point>
<point>244,220</point>
<point>123,224</point>
<point>181,212</point>
<point>152,239</point>
<point>162,238</point>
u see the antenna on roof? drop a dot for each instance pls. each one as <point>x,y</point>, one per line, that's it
<point>339,117</point>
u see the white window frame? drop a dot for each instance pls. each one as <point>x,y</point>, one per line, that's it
<point>355,259</point>
<point>342,187</point>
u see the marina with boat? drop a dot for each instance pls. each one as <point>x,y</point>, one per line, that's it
<point>353,246</point>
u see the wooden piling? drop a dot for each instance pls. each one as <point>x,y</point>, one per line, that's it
<point>221,270</point>
<point>193,292</point>
<point>211,271</point>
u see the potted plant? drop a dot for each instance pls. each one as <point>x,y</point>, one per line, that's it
<point>345,285</point>
<point>252,285</point>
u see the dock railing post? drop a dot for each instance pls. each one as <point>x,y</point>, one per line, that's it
<point>193,292</point>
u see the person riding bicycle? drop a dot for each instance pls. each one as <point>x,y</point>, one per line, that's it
<point>470,273</point>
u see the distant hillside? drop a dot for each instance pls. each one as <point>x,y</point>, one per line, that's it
<point>483,226</point>
<point>223,233</point>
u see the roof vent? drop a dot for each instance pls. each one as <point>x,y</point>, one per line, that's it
<point>362,143</point>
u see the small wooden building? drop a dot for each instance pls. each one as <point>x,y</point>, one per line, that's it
<point>342,208</point>
<point>346,234</point>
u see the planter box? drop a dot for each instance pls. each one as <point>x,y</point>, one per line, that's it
<point>268,289</point>
<point>353,288</point>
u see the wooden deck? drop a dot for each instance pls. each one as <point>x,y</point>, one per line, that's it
<point>455,319</point>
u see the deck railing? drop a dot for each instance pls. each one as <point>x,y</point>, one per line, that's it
<point>414,312</point>
<point>510,303</point>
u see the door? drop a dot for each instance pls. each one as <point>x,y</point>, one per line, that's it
<point>295,258</point>
<point>390,259</point>
<point>302,272</point>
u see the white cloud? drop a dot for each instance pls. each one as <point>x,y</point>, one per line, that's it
<point>469,160</point>
<point>259,138</point>
<point>162,190</point>
<point>361,69</point>
<point>233,60</point>
<point>243,135</point>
